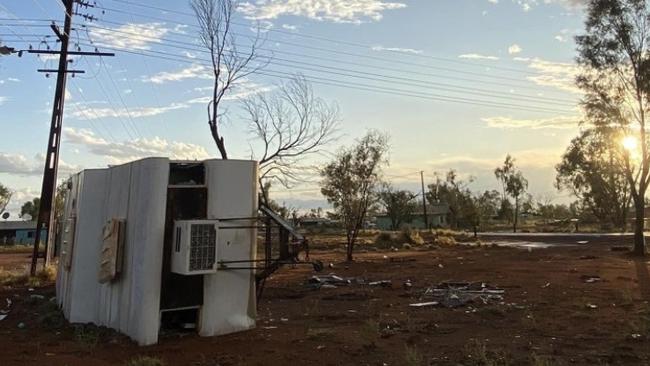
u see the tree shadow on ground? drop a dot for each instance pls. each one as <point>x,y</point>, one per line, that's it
<point>643,275</point>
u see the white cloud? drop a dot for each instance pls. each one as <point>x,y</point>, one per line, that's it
<point>476,56</point>
<point>13,80</point>
<point>475,165</point>
<point>86,112</point>
<point>289,27</point>
<point>514,49</point>
<point>192,72</point>
<point>241,90</point>
<point>2,100</point>
<point>558,122</point>
<point>559,75</point>
<point>528,5</point>
<point>119,152</point>
<point>17,164</point>
<point>131,35</point>
<point>380,48</point>
<point>564,36</point>
<point>338,11</point>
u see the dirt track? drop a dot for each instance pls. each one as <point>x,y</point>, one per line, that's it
<point>544,316</point>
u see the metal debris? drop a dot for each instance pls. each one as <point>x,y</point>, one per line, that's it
<point>424,304</point>
<point>590,278</point>
<point>457,294</point>
<point>407,285</point>
<point>383,283</point>
<point>332,281</point>
<point>5,312</point>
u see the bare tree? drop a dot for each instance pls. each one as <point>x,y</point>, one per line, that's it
<point>289,124</point>
<point>229,65</point>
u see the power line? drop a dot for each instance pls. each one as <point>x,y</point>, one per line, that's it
<point>109,100</point>
<point>381,78</point>
<point>499,78</point>
<point>320,38</point>
<point>89,111</point>
<point>117,91</point>
<point>442,86</point>
<point>349,85</point>
<point>358,86</point>
<point>337,51</point>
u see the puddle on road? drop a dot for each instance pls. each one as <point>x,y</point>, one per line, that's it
<point>527,244</point>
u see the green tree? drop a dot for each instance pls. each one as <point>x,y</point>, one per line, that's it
<point>592,168</point>
<point>349,182</point>
<point>454,192</point>
<point>613,54</point>
<point>5,197</point>
<point>487,207</point>
<point>31,208</point>
<point>398,204</point>
<point>514,185</point>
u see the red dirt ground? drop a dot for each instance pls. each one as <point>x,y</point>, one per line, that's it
<point>544,319</point>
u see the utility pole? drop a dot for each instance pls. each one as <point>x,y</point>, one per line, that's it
<point>424,201</point>
<point>48,189</point>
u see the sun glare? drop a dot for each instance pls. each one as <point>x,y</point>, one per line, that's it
<point>629,143</point>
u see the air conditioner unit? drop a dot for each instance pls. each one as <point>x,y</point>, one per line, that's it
<point>194,249</point>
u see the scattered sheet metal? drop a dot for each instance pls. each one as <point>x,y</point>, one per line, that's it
<point>333,281</point>
<point>590,278</point>
<point>424,304</point>
<point>5,312</point>
<point>457,294</point>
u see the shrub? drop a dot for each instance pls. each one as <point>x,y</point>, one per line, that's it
<point>384,240</point>
<point>48,274</point>
<point>411,236</point>
<point>445,241</point>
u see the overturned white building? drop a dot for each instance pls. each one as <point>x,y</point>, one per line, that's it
<point>144,245</point>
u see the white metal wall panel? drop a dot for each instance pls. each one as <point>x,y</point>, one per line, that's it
<point>84,287</point>
<point>117,206</point>
<point>138,192</point>
<point>145,238</point>
<point>62,281</point>
<point>229,296</point>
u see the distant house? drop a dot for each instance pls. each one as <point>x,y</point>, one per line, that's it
<point>436,216</point>
<point>18,232</point>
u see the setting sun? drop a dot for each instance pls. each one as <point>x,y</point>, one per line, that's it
<point>629,143</point>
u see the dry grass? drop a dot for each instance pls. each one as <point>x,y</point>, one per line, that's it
<point>387,239</point>
<point>445,241</point>
<point>20,277</point>
<point>370,332</point>
<point>478,354</point>
<point>412,357</point>
<point>18,248</point>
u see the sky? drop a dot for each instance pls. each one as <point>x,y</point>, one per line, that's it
<point>456,84</point>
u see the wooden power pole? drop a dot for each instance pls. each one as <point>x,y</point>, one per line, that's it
<point>48,189</point>
<point>424,201</point>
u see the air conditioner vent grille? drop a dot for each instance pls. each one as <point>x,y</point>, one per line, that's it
<point>203,242</point>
